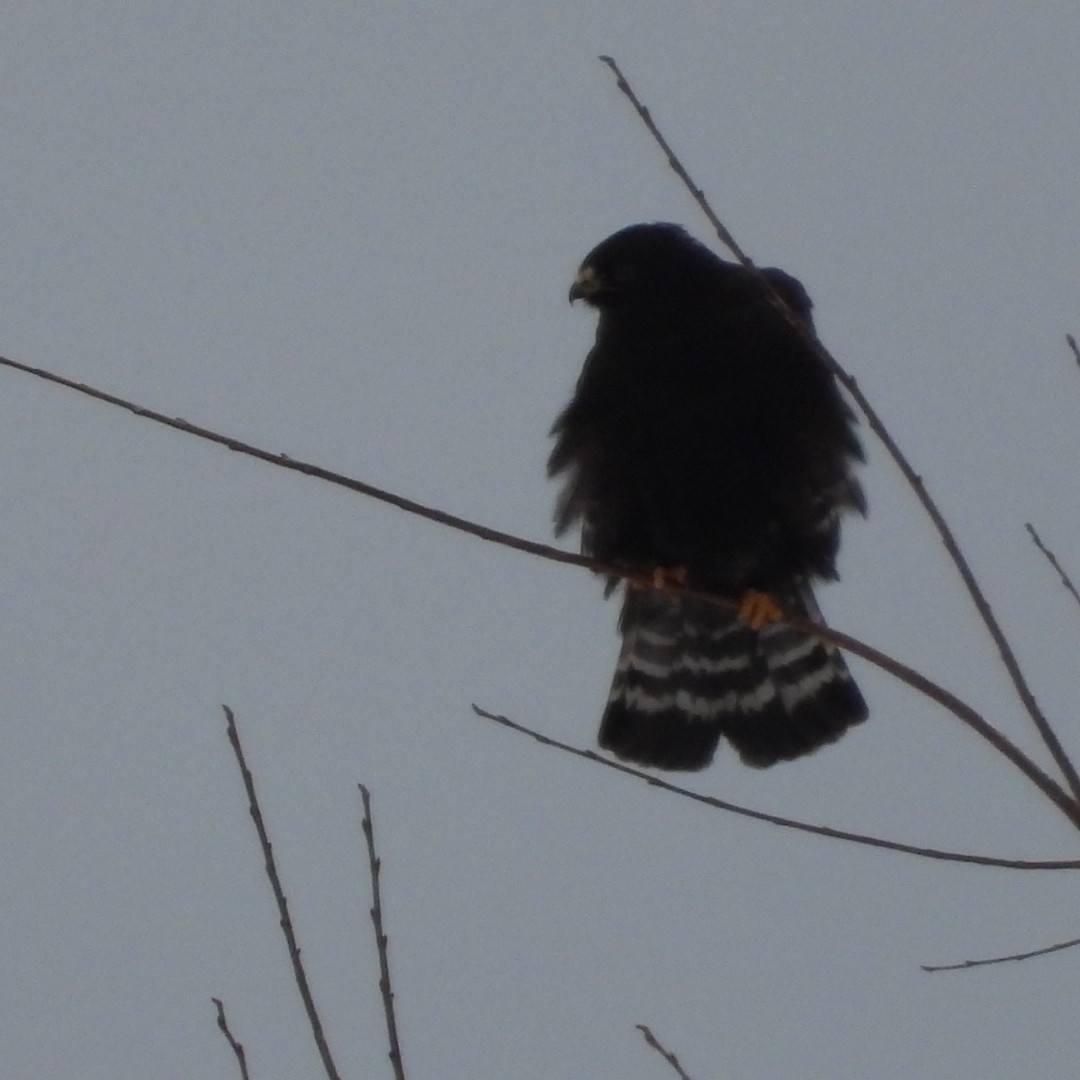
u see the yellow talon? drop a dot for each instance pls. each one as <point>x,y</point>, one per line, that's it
<point>758,608</point>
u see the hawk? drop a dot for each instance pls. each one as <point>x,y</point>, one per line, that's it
<point>706,439</point>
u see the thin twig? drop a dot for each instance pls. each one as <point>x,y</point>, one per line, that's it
<point>774,819</point>
<point>283,461</point>
<point>949,701</point>
<point>667,1055</point>
<point>279,897</point>
<point>676,165</point>
<point>1052,560</point>
<point>1002,959</point>
<point>237,1047</point>
<point>381,940</point>
<point>915,481</point>
<point>1071,342</point>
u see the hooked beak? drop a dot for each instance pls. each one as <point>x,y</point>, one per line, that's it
<point>586,284</point>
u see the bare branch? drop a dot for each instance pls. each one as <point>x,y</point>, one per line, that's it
<point>949,701</point>
<point>381,940</point>
<point>1052,560</point>
<point>774,819</point>
<point>676,165</point>
<point>279,897</point>
<point>1071,342</point>
<point>915,481</point>
<point>237,1048</point>
<point>953,704</point>
<point>1002,959</point>
<point>283,461</point>
<point>667,1055</point>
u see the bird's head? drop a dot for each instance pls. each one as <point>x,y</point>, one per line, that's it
<point>637,265</point>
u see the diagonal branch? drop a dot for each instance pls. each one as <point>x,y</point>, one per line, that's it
<point>965,713</point>
<point>381,940</point>
<point>279,897</point>
<point>677,166</point>
<point>915,481</point>
<point>774,819</point>
<point>1002,959</point>
<point>1052,560</point>
<point>283,461</point>
<point>237,1047</point>
<point>666,1054</point>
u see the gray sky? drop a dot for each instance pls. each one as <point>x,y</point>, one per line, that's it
<point>346,231</point>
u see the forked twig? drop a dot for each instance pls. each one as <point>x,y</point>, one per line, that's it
<point>279,897</point>
<point>1052,560</point>
<point>775,819</point>
<point>915,481</point>
<point>381,940</point>
<point>953,704</point>
<point>963,965</point>
<point>666,1054</point>
<point>237,1047</point>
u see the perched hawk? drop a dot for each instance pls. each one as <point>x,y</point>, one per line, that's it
<point>707,439</point>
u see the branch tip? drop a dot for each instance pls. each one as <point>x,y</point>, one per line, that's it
<point>382,940</point>
<point>775,819</point>
<point>237,1047</point>
<point>282,903</point>
<point>965,964</point>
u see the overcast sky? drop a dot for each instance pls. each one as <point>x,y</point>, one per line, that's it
<point>346,232</point>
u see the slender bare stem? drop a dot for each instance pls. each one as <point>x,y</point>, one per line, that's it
<point>949,701</point>
<point>237,1047</point>
<point>774,819</point>
<point>666,1054</point>
<point>1002,959</point>
<point>381,940</point>
<point>676,165</point>
<point>283,461</point>
<point>1052,560</point>
<point>1075,349</point>
<point>279,897</point>
<point>915,481</point>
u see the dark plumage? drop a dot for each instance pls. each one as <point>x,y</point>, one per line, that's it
<point>704,434</point>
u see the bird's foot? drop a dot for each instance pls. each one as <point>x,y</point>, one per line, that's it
<point>758,608</point>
